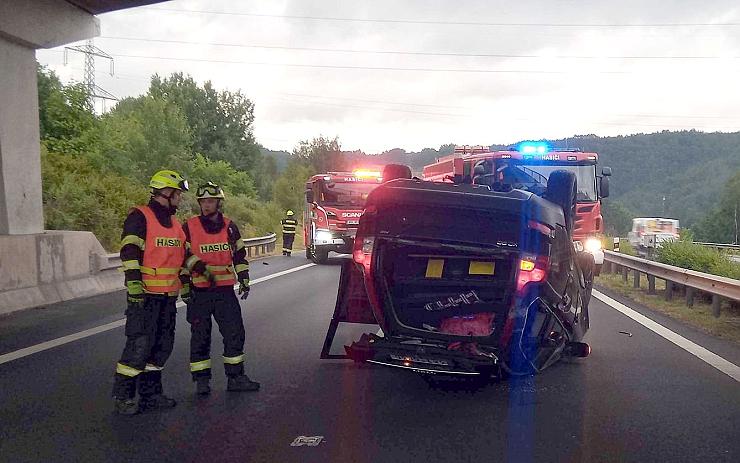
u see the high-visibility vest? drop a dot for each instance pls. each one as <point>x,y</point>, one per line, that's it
<point>215,251</point>
<point>164,253</point>
<point>289,226</point>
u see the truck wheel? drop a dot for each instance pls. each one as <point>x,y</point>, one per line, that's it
<point>562,190</point>
<point>320,256</point>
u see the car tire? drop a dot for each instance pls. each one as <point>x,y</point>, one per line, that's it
<point>319,256</point>
<point>562,190</point>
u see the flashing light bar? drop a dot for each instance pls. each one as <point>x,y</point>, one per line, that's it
<point>367,173</point>
<point>528,147</point>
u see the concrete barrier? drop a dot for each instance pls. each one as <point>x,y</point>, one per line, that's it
<point>49,267</point>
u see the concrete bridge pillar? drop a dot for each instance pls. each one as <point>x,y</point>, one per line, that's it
<point>26,26</point>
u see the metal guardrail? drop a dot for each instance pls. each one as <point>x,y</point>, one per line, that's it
<point>732,247</point>
<point>719,287</point>
<point>260,245</point>
<point>255,247</point>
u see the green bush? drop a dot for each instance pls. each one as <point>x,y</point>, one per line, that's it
<point>77,196</point>
<point>692,256</point>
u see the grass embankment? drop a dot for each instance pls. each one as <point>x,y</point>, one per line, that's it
<point>727,326</point>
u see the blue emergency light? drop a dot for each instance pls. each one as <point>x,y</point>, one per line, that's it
<point>533,147</point>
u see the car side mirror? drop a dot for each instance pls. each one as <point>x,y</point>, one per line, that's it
<point>604,187</point>
<point>309,196</point>
<point>606,171</point>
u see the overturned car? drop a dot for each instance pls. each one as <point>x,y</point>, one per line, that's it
<point>464,280</point>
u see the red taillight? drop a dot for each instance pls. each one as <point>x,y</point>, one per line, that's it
<point>362,251</point>
<point>531,270</point>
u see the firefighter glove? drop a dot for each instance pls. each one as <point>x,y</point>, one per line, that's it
<point>185,294</point>
<point>244,289</point>
<point>135,293</point>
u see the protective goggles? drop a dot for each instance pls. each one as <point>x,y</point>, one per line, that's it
<point>208,191</point>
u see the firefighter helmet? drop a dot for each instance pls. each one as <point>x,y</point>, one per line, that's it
<point>168,179</point>
<point>289,213</point>
<point>209,190</point>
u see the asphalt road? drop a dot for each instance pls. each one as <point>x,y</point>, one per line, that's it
<point>638,398</point>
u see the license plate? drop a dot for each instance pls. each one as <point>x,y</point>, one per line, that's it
<point>353,222</point>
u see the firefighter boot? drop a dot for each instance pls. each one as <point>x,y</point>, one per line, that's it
<point>202,386</point>
<point>126,407</point>
<point>156,402</point>
<point>242,383</point>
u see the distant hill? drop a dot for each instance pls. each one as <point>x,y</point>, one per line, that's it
<point>689,168</point>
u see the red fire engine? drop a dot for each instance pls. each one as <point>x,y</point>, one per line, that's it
<point>532,162</point>
<point>334,204</point>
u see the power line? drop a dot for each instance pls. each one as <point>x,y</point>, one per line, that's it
<point>449,23</point>
<point>371,68</point>
<point>419,53</point>
<point>374,101</point>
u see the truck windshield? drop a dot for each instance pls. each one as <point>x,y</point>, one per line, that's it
<point>350,194</point>
<point>539,173</point>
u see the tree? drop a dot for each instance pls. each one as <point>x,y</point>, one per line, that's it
<point>288,191</point>
<point>67,123</point>
<point>142,135</point>
<point>722,223</point>
<point>221,123</point>
<point>617,218</point>
<point>322,154</point>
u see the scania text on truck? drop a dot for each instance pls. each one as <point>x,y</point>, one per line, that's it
<point>334,204</point>
<point>528,166</point>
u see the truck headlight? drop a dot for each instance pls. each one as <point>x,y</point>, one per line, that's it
<point>323,235</point>
<point>592,245</point>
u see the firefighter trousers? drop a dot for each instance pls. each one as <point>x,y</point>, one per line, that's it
<point>224,307</point>
<point>150,336</point>
<point>288,243</point>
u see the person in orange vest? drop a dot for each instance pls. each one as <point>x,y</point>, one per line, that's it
<point>152,255</point>
<point>213,239</point>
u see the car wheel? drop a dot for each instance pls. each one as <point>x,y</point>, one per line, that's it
<point>562,190</point>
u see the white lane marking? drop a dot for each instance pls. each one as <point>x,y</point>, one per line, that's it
<point>26,351</point>
<point>725,366</point>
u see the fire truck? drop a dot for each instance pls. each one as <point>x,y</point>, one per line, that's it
<point>334,204</point>
<point>528,165</point>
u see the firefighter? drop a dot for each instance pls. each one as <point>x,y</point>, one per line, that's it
<point>289,224</point>
<point>214,240</point>
<point>152,253</point>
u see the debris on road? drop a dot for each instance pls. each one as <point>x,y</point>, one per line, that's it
<point>312,441</point>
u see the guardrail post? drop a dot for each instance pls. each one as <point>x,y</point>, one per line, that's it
<point>636,279</point>
<point>651,284</point>
<point>625,272</point>
<point>607,268</point>
<point>249,251</point>
<point>716,305</point>
<point>690,297</point>
<point>668,290</point>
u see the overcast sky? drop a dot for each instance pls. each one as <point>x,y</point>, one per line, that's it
<point>386,73</point>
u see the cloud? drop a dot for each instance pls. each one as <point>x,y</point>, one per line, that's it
<point>375,109</point>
